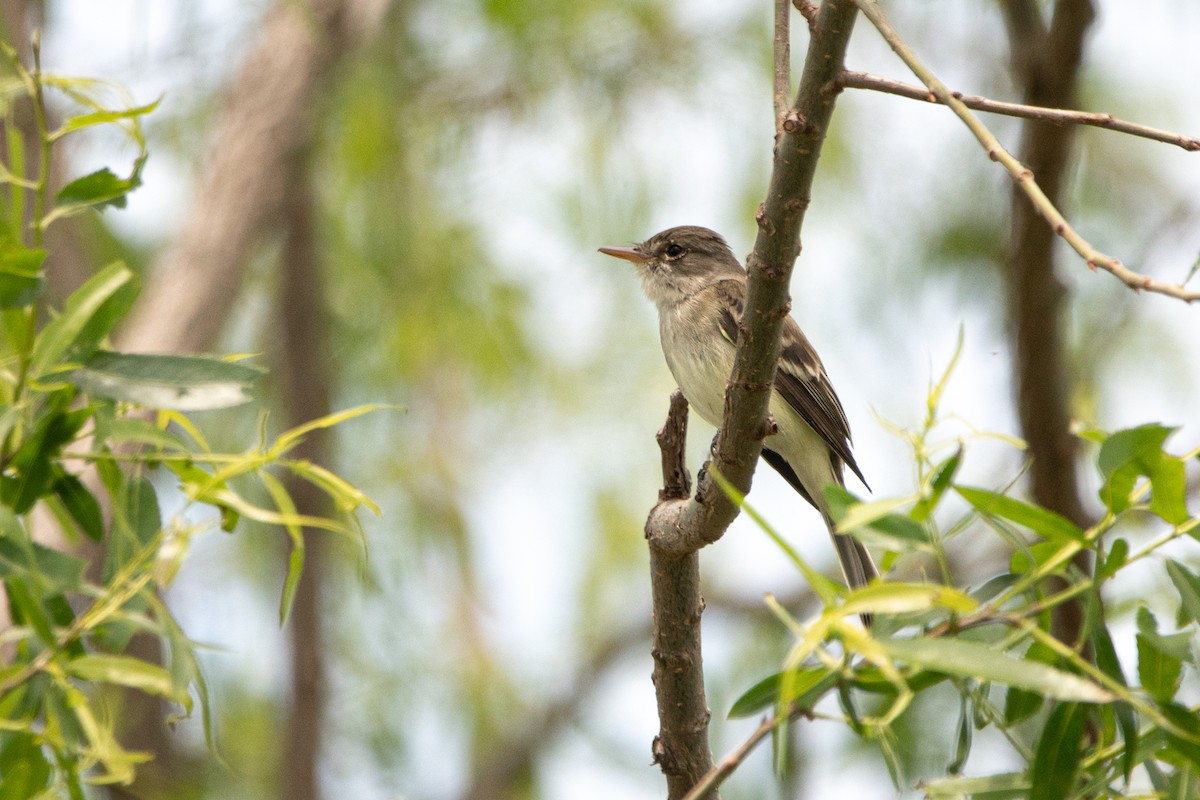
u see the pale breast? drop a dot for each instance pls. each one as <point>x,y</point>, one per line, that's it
<point>699,358</point>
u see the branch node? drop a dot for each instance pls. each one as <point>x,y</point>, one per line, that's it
<point>793,121</point>
<point>769,427</point>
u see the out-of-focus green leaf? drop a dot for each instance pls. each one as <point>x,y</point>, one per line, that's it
<point>904,598</point>
<point>1158,671</point>
<point>1008,786</point>
<point>81,505</point>
<point>943,474</point>
<point>971,659</point>
<point>808,684</point>
<point>962,745</point>
<point>100,189</point>
<point>1187,583</point>
<point>1129,454</point>
<point>24,767</point>
<point>124,671</point>
<point>21,279</point>
<point>1117,553</point>
<point>283,502</point>
<point>1056,761</point>
<point>1042,521</point>
<point>1184,719</point>
<point>1107,661</point>
<point>185,383</point>
<point>64,337</point>
<point>81,121</point>
<point>1020,703</point>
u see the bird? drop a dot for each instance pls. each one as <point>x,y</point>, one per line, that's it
<point>699,288</point>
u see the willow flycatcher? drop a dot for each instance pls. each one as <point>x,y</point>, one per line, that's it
<point>699,287</point>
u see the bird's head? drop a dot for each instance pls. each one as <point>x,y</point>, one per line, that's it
<point>679,262</point>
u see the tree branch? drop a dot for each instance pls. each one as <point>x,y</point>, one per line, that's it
<point>677,528</point>
<point>1035,293</point>
<point>865,80</point>
<point>1022,175</point>
<point>783,60</point>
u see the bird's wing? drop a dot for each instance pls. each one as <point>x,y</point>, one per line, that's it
<point>799,378</point>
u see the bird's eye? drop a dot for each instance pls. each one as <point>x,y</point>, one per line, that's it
<point>674,250</point>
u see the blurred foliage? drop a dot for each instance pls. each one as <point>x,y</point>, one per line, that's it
<point>1077,722</point>
<point>85,435</point>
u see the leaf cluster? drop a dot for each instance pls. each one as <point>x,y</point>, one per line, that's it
<point>1084,724</point>
<point>89,438</point>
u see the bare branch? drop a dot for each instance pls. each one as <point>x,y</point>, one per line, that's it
<point>865,80</point>
<point>783,60</point>
<point>732,761</point>
<point>1022,175</point>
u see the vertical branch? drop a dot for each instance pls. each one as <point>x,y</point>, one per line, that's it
<point>305,378</point>
<point>678,527</point>
<point>681,748</point>
<point>1050,69</point>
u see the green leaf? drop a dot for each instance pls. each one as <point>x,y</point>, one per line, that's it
<point>1008,786</point>
<point>1042,521</point>
<point>1158,671</point>
<point>1129,454</point>
<point>100,189</point>
<point>1184,719</point>
<point>21,279</point>
<point>1107,661</point>
<point>943,474</point>
<point>1056,762</point>
<point>184,383</point>
<point>24,766</point>
<point>82,121</point>
<point>1117,554</point>
<point>1019,703</point>
<point>962,747</point>
<point>906,598</point>
<point>81,505</point>
<point>808,686</point>
<point>983,661</point>
<point>1187,584</point>
<point>125,671</point>
<point>64,336</point>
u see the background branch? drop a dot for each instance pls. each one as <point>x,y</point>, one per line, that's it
<point>864,80</point>
<point>1023,176</point>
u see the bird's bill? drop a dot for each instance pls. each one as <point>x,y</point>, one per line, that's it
<point>627,253</point>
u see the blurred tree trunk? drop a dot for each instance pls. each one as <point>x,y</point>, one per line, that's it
<point>268,123</point>
<point>304,379</point>
<point>1046,61</point>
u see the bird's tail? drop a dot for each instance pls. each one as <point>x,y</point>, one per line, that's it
<point>857,565</point>
<point>858,568</point>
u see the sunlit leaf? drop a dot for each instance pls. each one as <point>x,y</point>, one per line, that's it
<point>1042,521</point>
<point>902,598</point>
<point>124,671</point>
<point>100,189</point>
<point>808,686</point>
<point>983,661</point>
<point>64,336</point>
<point>187,383</point>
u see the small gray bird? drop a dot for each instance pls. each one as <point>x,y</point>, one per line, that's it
<point>699,287</point>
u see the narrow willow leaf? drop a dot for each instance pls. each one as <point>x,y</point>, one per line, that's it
<point>1056,761</point>
<point>943,474</point>
<point>62,334</point>
<point>983,661</point>
<point>184,383</point>
<point>1008,786</point>
<point>809,685</point>
<point>1042,521</point>
<point>283,501</point>
<point>1187,584</point>
<point>1107,661</point>
<point>124,671</point>
<point>903,598</point>
<point>21,279</point>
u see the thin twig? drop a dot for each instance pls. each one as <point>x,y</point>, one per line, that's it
<point>1022,175</point>
<point>865,80</point>
<point>783,61</point>
<point>732,761</point>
